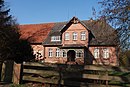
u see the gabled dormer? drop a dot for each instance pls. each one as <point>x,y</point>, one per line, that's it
<point>72,32</point>
<point>75,32</point>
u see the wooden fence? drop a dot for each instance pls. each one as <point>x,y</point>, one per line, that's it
<point>75,75</point>
<point>10,72</point>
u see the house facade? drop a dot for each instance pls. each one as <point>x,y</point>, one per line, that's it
<point>75,41</point>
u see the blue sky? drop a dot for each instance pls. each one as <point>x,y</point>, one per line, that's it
<point>44,11</point>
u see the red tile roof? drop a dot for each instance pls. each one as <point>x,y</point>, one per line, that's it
<point>35,33</point>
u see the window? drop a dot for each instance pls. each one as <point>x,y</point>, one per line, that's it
<point>83,35</point>
<point>75,36</point>
<point>96,53</point>
<point>50,52</point>
<point>105,53</point>
<point>64,53</point>
<point>57,52</point>
<point>38,54</point>
<point>55,38</point>
<point>67,36</point>
<point>79,54</point>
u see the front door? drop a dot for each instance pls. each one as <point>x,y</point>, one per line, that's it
<point>71,55</point>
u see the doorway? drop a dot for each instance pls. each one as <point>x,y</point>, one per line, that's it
<point>71,55</point>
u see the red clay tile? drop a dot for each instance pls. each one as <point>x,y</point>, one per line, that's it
<point>35,33</point>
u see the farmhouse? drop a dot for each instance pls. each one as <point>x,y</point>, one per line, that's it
<point>81,42</point>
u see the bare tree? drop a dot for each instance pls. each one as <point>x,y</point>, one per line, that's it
<point>117,13</point>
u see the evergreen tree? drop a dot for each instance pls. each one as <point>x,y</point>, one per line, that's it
<point>11,46</point>
<point>8,33</point>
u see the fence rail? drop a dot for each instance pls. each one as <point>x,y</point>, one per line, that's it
<point>76,75</point>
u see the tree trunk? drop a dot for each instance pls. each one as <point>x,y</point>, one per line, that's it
<point>8,71</point>
<point>1,63</point>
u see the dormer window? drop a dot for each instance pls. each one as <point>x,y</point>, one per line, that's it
<point>55,38</point>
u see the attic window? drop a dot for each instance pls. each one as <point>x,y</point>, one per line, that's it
<point>55,38</point>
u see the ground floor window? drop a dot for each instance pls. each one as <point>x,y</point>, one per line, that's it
<point>105,53</point>
<point>96,53</point>
<point>50,52</point>
<point>79,54</point>
<point>57,52</point>
<point>38,54</point>
<point>64,53</point>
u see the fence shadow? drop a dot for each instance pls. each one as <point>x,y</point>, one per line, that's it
<point>123,76</point>
<point>70,75</point>
<point>7,71</point>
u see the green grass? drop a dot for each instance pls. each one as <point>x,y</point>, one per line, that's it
<point>26,85</point>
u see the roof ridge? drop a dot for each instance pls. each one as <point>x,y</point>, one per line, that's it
<point>38,24</point>
<point>50,23</point>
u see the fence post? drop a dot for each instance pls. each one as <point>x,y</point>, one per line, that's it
<point>21,74</point>
<point>60,77</point>
<point>107,78</point>
<point>8,71</point>
<point>1,63</point>
<point>16,73</point>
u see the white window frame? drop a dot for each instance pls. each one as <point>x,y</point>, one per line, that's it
<point>55,38</point>
<point>64,53</point>
<point>38,54</point>
<point>79,54</point>
<point>106,54</point>
<point>57,52</point>
<point>75,35</point>
<point>96,53</point>
<point>50,52</point>
<point>83,35</point>
<point>67,36</point>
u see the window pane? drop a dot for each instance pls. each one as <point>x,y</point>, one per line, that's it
<point>64,53</point>
<point>38,54</point>
<point>57,52</point>
<point>83,35</point>
<point>96,53</point>
<point>75,36</point>
<point>50,52</point>
<point>67,36</point>
<point>105,53</point>
<point>79,54</point>
<point>55,38</point>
